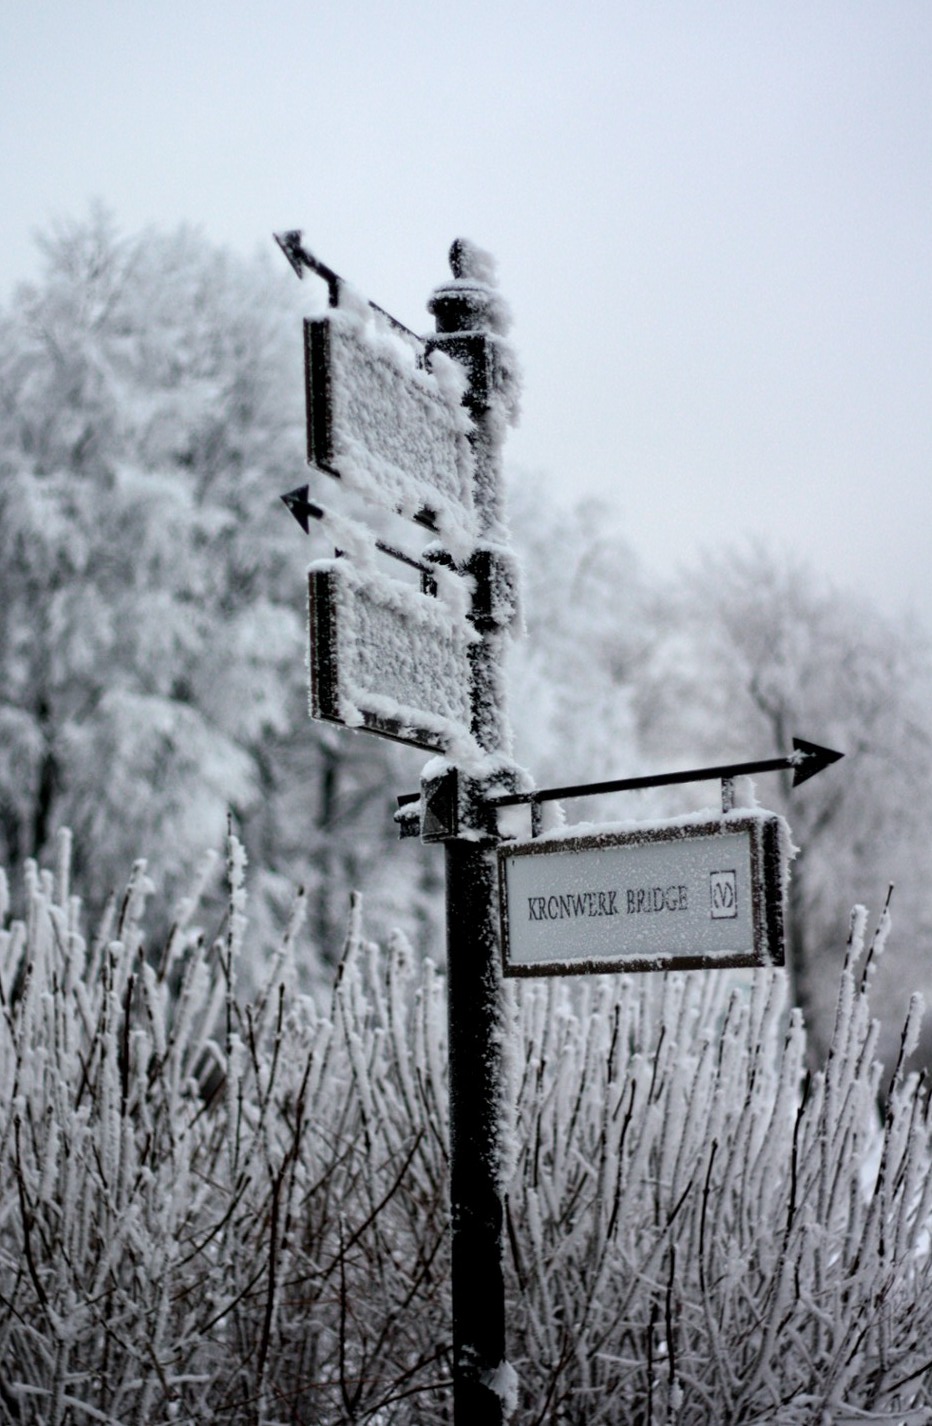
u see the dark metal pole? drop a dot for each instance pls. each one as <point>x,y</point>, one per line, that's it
<point>466,314</point>
<point>475,1131</point>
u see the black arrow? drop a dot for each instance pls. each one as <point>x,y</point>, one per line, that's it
<point>810,759</point>
<point>303,509</point>
<point>299,257</point>
<point>806,760</point>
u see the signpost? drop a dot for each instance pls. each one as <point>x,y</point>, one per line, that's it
<point>683,896</point>
<point>416,426</point>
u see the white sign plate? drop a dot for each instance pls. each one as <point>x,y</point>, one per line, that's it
<point>387,658</point>
<point>668,895</point>
<point>391,430</point>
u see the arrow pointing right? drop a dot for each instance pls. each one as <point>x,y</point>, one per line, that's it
<point>808,758</point>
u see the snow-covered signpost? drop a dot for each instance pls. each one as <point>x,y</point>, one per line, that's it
<point>417,427</point>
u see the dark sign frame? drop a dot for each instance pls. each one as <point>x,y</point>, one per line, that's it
<point>767,895</point>
<point>318,395</point>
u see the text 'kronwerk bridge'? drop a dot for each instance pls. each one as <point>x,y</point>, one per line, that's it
<point>635,901</point>
<point>689,893</point>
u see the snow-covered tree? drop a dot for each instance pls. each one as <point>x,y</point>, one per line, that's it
<point>573,679</point>
<point>152,586</point>
<point>753,649</point>
<point>152,625</point>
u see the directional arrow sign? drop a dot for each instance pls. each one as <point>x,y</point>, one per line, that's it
<point>387,658</point>
<point>383,423</point>
<point>302,507</point>
<point>305,510</point>
<point>806,760</point>
<point>693,894</point>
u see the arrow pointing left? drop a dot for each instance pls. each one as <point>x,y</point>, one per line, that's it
<point>303,509</point>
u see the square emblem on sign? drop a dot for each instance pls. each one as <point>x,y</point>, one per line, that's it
<point>723,890</point>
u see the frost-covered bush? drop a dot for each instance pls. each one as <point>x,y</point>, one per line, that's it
<point>213,1211</point>
<point>703,1232</point>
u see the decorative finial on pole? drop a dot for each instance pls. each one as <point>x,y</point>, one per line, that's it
<point>471,263</point>
<point>472,301</point>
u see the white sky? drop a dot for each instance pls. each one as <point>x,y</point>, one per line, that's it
<point>712,221</point>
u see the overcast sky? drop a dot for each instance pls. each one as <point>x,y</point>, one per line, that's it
<point>713,221</point>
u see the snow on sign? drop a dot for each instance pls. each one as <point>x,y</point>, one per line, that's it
<point>687,894</point>
<point>385,424</point>
<point>386,658</point>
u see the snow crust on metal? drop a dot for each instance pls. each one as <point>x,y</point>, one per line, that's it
<point>388,421</point>
<point>387,658</point>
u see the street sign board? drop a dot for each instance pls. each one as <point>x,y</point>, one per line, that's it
<point>386,425</point>
<point>696,893</point>
<point>387,658</point>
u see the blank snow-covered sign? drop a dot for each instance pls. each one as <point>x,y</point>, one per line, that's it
<point>689,894</point>
<point>389,427</point>
<point>386,658</point>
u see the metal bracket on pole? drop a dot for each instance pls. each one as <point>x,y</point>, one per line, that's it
<point>453,804</point>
